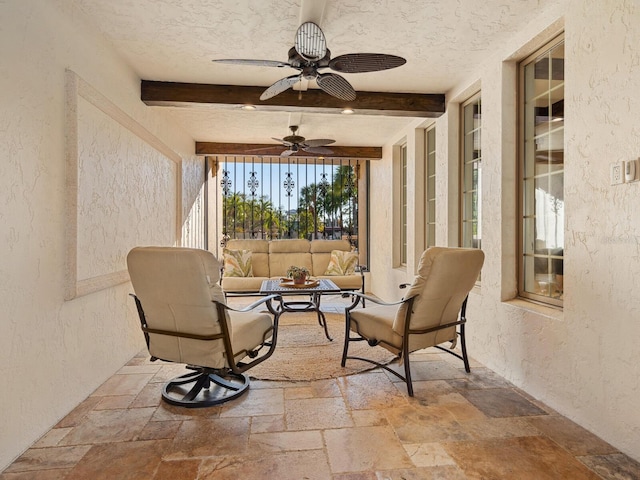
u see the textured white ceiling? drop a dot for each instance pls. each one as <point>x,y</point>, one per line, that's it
<point>175,40</point>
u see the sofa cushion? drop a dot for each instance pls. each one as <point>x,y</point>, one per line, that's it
<point>285,253</point>
<point>237,263</point>
<point>259,254</point>
<point>242,284</point>
<point>321,253</point>
<point>342,263</point>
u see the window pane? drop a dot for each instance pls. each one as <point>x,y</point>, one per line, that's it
<point>471,217</point>
<point>542,180</point>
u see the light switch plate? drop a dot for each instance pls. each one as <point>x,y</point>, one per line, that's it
<point>617,173</point>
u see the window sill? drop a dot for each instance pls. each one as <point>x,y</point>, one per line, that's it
<point>547,311</point>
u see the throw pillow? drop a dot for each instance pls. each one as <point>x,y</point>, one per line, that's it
<point>237,263</point>
<point>342,263</point>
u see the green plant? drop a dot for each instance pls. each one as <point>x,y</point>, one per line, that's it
<point>297,272</point>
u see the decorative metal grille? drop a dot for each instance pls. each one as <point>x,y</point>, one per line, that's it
<point>289,198</point>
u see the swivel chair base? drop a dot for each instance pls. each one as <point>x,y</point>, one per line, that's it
<point>204,387</point>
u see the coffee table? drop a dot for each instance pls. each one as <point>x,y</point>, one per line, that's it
<point>315,293</point>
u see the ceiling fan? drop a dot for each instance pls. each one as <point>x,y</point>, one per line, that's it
<point>310,54</point>
<point>295,143</point>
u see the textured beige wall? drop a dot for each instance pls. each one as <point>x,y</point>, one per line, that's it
<point>583,361</point>
<point>53,352</point>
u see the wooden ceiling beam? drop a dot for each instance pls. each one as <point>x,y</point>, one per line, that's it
<point>173,94</point>
<point>272,150</point>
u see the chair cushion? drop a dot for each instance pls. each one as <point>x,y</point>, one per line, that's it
<point>445,277</point>
<point>342,263</point>
<point>237,263</point>
<point>248,330</point>
<point>375,323</point>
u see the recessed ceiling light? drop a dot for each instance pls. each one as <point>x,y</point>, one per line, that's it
<point>347,111</point>
<point>248,107</point>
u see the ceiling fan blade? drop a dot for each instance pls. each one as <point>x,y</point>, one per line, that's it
<point>280,86</point>
<point>310,42</point>
<point>253,63</point>
<point>318,150</point>
<point>287,153</point>
<point>336,85</point>
<point>365,62</point>
<point>318,142</point>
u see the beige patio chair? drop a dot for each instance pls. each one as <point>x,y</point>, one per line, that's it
<point>185,320</point>
<point>427,316</point>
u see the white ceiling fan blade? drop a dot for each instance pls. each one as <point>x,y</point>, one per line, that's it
<point>280,86</point>
<point>310,42</point>
<point>336,86</point>
<point>365,62</point>
<point>318,142</point>
<point>253,63</point>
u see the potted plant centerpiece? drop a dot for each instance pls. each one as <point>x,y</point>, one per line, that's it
<point>298,274</point>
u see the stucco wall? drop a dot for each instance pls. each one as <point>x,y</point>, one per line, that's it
<point>583,360</point>
<point>53,352</point>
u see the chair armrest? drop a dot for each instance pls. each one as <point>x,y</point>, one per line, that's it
<point>358,296</point>
<point>248,308</point>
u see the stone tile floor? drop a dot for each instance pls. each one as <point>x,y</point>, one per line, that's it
<point>359,427</point>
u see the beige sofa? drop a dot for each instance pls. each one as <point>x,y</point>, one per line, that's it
<point>272,259</point>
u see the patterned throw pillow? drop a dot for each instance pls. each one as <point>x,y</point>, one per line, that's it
<point>237,263</point>
<point>342,263</point>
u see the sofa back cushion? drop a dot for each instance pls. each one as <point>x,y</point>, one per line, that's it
<point>259,254</point>
<point>321,253</point>
<point>285,253</point>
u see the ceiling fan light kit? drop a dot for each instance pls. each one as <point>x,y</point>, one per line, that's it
<point>310,53</point>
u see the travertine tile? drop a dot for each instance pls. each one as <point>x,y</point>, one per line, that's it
<point>372,390</point>
<point>447,472</point>
<point>55,474</point>
<point>571,436</point>
<point>613,467</point>
<point>316,389</point>
<point>286,441</point>
<point>104,426</point>
<point>48,458</point>
<point>425,424</point>
<point>255,402</point>
<point>524,458</point>
<point>52,437</point>
<point>166,411</point>
<point>121,460</point>
<point>317,414</point>
<point>368,418</point>
<point>210,437</point>
<point>123,385</point>
<point>502,402</point>
<point>77,414</point>
<point>308,465</point>
<point>365,448</point>
<point>178,470</point>
<point>160,430</point>
<point>430,370</point>
<point>499,428</point>
<point>268,423</point>
<point>149,396</point>
<point>428,454</point>
<point>115,402</point>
